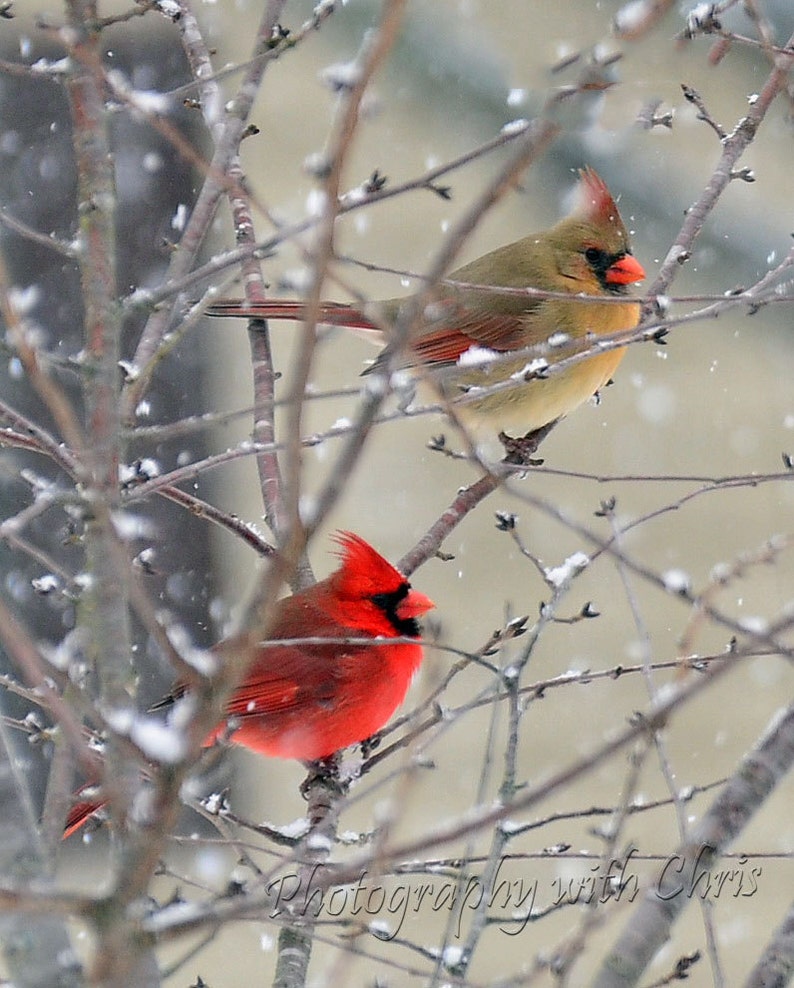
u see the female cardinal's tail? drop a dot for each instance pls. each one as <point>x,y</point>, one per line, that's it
<point>330,313</point>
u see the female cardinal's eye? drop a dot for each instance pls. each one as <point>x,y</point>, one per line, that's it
<point>593,256</point>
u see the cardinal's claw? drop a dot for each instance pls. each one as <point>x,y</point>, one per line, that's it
<point>519,450</point>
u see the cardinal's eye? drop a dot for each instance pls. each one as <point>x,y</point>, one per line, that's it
<point>594,256</point>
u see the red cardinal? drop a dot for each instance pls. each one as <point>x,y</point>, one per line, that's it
<point>308,700</point>
<point>463,330</point>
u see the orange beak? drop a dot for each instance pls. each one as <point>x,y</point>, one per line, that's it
<point>414,605</point>
<point>625,271</point>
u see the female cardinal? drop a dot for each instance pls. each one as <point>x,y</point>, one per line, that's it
<point>465,330</point>
<point>308,699</point>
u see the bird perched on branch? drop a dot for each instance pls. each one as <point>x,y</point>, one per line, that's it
<point>350,650</point>
<point>492,351</point>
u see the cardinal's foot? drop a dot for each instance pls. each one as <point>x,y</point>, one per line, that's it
<point>519,450</point>
<point>368,745</point>
<point>323,773</point>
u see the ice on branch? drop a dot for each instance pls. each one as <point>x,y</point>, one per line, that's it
<point>559,576</point>
<point>677,581</point>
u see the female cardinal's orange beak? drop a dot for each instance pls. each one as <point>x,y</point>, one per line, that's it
<point>625,271</point>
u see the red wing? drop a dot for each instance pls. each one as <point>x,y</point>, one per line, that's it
<point>269,690</point>
<point>284,677</point>
<point>472,327</point>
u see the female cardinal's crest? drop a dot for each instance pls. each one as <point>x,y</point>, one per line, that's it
<point>364,571</point>
<point>595,201</point>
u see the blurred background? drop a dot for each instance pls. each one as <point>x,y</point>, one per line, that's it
<point>715,401</point>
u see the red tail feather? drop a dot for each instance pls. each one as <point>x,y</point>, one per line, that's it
<point>331,313</point>
<point>80,813</point>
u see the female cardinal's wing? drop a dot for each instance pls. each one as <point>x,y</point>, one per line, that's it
<point>465,327</point>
